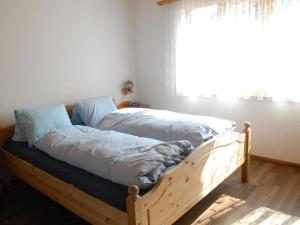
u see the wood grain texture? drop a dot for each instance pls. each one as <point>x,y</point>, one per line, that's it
<point>271,186</point>
<point>165,2</point>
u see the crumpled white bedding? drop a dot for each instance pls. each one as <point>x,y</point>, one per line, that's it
<point>166,125</point>
<point>121,158</point>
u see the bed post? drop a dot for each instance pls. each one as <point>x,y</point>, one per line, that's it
<point>247,147</point>
<point>133,206</point>
<point>5,135</point>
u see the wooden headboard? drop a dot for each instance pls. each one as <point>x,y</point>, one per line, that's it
<point>69,109</point>
<point>7,132</point>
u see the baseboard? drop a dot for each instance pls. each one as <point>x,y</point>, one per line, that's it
<point>277,161</point>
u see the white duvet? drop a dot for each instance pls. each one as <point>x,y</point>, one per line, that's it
<point>121,158</point>
<point>165,125</point>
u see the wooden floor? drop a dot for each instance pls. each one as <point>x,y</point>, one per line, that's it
<point>271,197</point>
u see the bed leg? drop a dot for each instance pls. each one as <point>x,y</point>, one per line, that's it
<point>247,147</point>
<point>133,206</point>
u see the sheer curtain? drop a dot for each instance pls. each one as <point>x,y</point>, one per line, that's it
<point>241,48</point>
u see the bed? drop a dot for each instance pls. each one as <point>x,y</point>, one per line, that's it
<point>177,191</point>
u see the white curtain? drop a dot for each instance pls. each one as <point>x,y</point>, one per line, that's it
<point>241,48</point>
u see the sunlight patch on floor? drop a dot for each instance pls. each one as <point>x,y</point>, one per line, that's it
<point>218,209</point>
<point>266,216</point>
<point>219,213</point>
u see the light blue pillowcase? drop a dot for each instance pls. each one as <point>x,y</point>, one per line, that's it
<point>37,122</point>
<point>76,119</point>
<point>92,111</point>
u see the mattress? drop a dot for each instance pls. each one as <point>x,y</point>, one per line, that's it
<point>105,190</point>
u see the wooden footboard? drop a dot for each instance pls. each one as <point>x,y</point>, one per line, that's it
<point>181,188</point>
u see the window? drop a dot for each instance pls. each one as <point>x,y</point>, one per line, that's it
<point>236,48</point>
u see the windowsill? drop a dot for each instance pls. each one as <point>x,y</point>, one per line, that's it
<point>251,98</point>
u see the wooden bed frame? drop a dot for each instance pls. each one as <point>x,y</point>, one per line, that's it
<point>177,191</point>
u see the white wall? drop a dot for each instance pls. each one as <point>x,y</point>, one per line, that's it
<point>276,126</point>
<point>60,51</point>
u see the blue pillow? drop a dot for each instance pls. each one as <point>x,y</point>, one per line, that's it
<point>92,111</point>
<point>37,122</point>
<point>76,119</point>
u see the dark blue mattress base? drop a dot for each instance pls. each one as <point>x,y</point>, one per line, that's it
<point>105,190</point>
